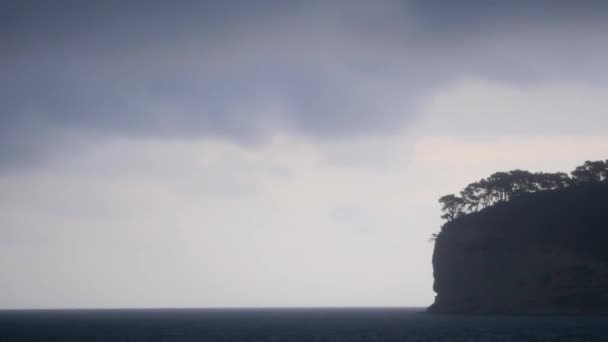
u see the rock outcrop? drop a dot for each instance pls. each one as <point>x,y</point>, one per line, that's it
<point>544,252</point>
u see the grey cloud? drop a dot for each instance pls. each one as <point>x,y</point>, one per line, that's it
<point>244,71</point>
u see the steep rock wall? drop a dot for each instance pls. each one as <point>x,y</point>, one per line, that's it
<point>541,253</point>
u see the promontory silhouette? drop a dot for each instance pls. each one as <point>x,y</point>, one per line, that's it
<point>522,242</point>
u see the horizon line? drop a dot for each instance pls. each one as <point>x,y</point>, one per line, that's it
<point>278,307</point>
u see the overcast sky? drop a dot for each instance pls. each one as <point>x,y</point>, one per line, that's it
<point>272,153</point>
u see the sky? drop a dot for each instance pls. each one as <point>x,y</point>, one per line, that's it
<point>272,153</point>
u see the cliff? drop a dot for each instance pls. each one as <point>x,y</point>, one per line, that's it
<point>544,252</point>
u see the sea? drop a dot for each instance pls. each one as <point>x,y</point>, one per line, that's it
<point>302,325</point>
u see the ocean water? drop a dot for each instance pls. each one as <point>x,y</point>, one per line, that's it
<point>291,325</point>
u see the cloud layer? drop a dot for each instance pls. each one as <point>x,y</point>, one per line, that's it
<point>87,71</point>
<point>240,153</point>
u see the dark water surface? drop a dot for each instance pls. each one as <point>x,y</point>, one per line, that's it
<point>291,325</point>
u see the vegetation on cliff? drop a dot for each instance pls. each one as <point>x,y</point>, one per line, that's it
<point>504,186</point>
<point>533,246</point>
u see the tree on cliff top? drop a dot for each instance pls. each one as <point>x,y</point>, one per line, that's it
<point>452,206</point>
<point>504,186</point>
<point>591,171</point>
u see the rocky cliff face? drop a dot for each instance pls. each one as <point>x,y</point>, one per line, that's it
<point>545,252</point>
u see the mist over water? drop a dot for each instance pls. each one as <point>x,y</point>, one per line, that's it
<point>378,324</point>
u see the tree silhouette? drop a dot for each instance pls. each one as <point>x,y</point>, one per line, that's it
<point>504,186</point>
<point>522,181</point>
<point>472,196</point>
<point>591,171</point>
<point>453,206</point>
<point>552,181</point>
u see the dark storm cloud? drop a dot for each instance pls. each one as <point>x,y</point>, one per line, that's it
<point>243,70</point>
